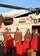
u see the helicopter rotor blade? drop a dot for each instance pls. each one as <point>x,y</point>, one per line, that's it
<point>12,7</point>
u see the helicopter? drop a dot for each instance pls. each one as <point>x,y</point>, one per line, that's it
<point>9,20</point>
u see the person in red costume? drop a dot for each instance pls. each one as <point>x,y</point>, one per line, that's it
<point>8,42</point>
<point>18,38</point>
<point>34,42</point>
<point>27,39</point>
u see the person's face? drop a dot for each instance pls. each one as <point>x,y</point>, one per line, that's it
<point>6,30</point>
<point>17,30</point>
<point>33,31</point>
<point>28,31</point>
<point>36,31</point>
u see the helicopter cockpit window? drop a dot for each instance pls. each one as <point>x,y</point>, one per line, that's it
<point>4,18</point>
<point>8,21</point>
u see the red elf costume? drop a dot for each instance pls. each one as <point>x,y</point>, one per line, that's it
<point>18,38</point>
<point>27,39</point>
<point>34,43</point>
<point>8,41</point>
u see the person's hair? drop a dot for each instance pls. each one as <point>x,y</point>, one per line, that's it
<point>6,29</point>
<point>17,28</point>
<point>28,29</point>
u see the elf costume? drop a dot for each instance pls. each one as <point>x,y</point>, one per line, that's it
<point>8,41</point>
<point>34,43</point>
<point>18,38</point>
<point>27,39</point>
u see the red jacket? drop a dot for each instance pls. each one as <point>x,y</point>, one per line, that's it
<point>8,42</point>
<point>18,36</point>
<point>19,47</point>
<point>25,45</point>
<point>30,38</point>
<point>34,43</point>
<point>26,42</point>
